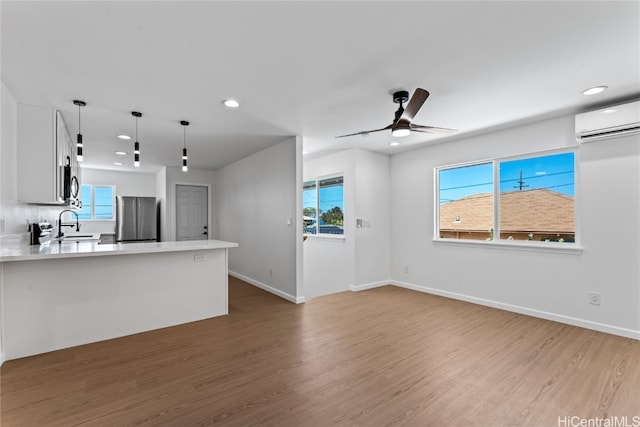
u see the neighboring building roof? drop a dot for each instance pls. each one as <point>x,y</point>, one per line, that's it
<point>527,211</point>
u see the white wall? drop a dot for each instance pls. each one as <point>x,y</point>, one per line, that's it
<point>256,198</point>
<point>550,285</point>
<point>361,258</point>
<point>373,252</point>
<point>126,183</point>
<point>173,176</point>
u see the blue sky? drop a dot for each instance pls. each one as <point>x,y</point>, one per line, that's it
<point>329,197</point>
<point>554,172</point>
<point>103,203</point>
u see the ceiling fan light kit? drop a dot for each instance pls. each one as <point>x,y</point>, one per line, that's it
<point>401,131</point>
<point>403,121</point>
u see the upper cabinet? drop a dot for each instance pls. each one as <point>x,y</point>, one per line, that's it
<point>48,172</point>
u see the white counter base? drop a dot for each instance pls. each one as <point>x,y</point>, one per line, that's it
<point>54,303</point>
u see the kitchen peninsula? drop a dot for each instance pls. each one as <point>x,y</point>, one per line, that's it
<point>62,295</point>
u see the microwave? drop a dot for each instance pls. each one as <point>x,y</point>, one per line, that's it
<point>70,184</point>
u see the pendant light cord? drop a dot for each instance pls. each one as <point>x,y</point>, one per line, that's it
<point>79,123</point>
<point>184,137</point>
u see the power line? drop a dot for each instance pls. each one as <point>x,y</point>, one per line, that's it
<point>466,186</point>
<point>506,180</point>
<point>537,176</point>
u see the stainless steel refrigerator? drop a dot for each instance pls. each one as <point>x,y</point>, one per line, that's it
<point>136,219</point>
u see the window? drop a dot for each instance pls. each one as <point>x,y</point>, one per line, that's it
<point>323,206</point>
<point>97,202</point>
<point>530,199</point>
<point>466,202</point>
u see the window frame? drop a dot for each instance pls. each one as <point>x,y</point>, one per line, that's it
<point>319,235</point>
<point>528,245</point>
<point>93,205</point>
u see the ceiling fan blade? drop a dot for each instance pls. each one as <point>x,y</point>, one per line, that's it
<point>415,103</point>
<point>365,132</point>
<point>432,129</point>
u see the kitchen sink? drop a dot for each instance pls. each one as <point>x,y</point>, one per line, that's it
<point>80,237</point>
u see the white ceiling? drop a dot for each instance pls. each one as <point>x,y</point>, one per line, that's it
<point>314,69</point>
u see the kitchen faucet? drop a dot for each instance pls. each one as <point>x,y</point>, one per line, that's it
<point>60,224</point>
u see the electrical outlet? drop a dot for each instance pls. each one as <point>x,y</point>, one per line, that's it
<point>199,258</point>
<point>594,298</point>
<point>406,268</point>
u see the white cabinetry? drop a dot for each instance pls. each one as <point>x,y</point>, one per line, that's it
<point>44,148</point>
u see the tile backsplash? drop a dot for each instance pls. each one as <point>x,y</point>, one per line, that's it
<point>15,217</point>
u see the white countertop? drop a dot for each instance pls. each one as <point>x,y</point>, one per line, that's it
<point>55,250</point>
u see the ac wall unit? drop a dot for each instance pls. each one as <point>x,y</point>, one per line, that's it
<point>608,122</point>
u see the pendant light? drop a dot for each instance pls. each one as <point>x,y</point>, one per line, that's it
<point>136,145</point>
<point>185,168</point>
<point>79,146</point>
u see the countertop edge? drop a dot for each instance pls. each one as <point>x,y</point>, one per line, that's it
<point>85,249</point>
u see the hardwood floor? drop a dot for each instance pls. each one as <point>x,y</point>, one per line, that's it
<point>382,357</point>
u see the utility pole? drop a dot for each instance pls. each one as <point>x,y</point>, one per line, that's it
<point>521,183</point>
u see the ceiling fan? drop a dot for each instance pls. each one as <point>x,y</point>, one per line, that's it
<point>402,124</point>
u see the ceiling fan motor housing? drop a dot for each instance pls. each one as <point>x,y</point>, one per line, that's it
<point>400,96</point>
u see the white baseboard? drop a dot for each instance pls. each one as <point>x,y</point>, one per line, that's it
<point>270,289</point>
<point>615,330</point>
<point>364,286</point>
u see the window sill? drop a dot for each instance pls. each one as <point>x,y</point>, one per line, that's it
<point>337,237</point>
<point>548,247</point>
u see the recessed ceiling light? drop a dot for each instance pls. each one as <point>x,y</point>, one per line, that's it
<point>231,103</point>
<point>305,152</point>
<point>127,137</point>
<point>121,153</point>
<point>117,163</point>
<point>594,90</point>
<point>394,143</point>
<point>609,111</point>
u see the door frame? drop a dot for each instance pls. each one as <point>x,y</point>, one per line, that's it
<point>174,224</point>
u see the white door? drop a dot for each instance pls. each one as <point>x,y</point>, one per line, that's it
<point>191,213</point>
